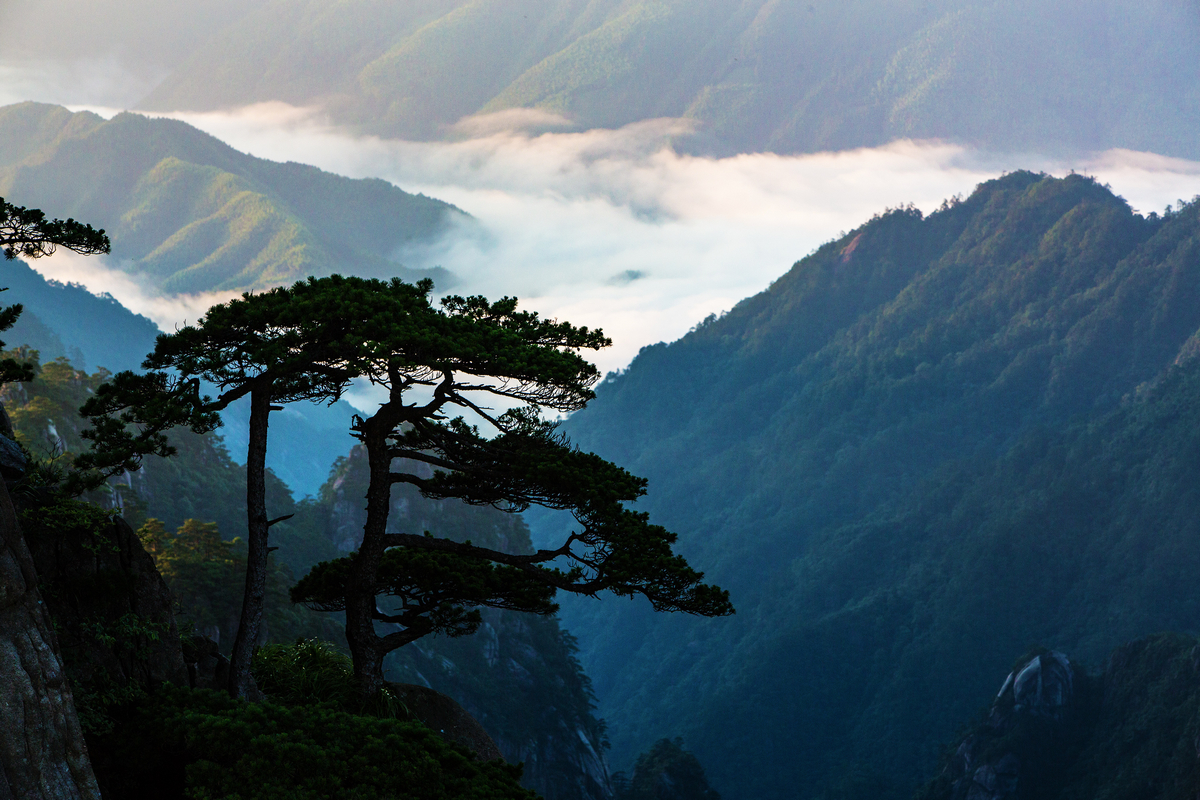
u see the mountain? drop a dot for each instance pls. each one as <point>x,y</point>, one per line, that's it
<point>933,442</point>
<point>187,213</point>
<point>66,320</point>
<point>798,76</point>
<point>93,332</point>
<point>518,676</point>
<point>1058,732</point>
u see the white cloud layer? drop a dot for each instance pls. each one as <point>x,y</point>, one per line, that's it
<point>612,228</point>
<point>101,276</point>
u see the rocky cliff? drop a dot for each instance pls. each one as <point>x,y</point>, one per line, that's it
<point>42,751</point>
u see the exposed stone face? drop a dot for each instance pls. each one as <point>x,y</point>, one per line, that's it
<point>1036,698</point>
<point>207,667</point>
<point>1043,687</point>
<point>42,750</point>
<point>12,461</point>
<point>108,582</point>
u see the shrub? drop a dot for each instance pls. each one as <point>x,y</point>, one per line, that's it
<point>204,745</point>
<point>312,671</point>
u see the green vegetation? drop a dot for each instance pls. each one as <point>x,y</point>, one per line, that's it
<point>281,346</point>
<point>933,442</point>
<point>312,672</point>
<point>200,482</point>
<point>518,677</point>
<point>308,342</point>
<point>206,574</point>
<point>313,738</point>
<point>204,745</point>
<point>27,232</point>
<point>187,213</point>
<point>784,77</point>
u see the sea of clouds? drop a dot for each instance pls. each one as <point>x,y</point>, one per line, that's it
<point>616,228</point>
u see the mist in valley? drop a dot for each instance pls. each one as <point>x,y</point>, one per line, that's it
<point>826,438</point>
<point>614,228</point>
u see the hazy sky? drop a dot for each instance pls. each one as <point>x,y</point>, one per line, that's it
<point>611,228</point>
<point>101,51</point>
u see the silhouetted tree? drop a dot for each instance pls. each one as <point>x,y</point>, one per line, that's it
<point>280,346</point>
<point>26,232</point>
<point>308,342</point>
<point>432,362</point>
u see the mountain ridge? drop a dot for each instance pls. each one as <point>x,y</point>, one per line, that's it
<point>759,76</point>
<point>817,446</point>
<point>188,213</point>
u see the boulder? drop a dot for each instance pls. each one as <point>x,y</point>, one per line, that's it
<point>207,667</point>
<point>1023,738</point>
<point>1044,686</point>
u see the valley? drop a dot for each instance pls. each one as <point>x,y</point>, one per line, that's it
<point>905,314</point>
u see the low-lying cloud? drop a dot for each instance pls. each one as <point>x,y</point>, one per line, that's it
<point>101,276</point>
<point>614,229</point>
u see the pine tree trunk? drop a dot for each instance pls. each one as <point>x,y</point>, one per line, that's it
<point>365,645</point>
<point>42,752</point>
<point>254,597</point>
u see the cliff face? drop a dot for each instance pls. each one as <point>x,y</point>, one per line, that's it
<point>112,608</point>
<point>518,674</point>
<point>42,751</point>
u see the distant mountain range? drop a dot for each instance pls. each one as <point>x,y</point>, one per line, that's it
<point>933,443</point>
<point>66,320</point>
<point>795,76</point>
<point>187,213</point>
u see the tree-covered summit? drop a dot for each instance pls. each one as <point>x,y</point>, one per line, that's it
<point>187,213</point>
<point>785,77</point>
<point>815,442</point>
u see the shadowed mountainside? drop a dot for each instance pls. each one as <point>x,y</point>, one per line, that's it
<point>931,443</point>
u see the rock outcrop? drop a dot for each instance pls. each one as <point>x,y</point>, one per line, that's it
<point>994,763</point>
<point>112,608</point>
<point>42,751</point>
<point>1055,733</point>
<point>440,713</point>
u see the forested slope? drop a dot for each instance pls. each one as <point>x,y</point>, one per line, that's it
<point>518,676</point>
<point>187,213</point>
<point>932,443</point>
<point>795,76</point>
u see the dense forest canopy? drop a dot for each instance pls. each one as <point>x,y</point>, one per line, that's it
<point>892,455</point>
<point>935,442</point>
